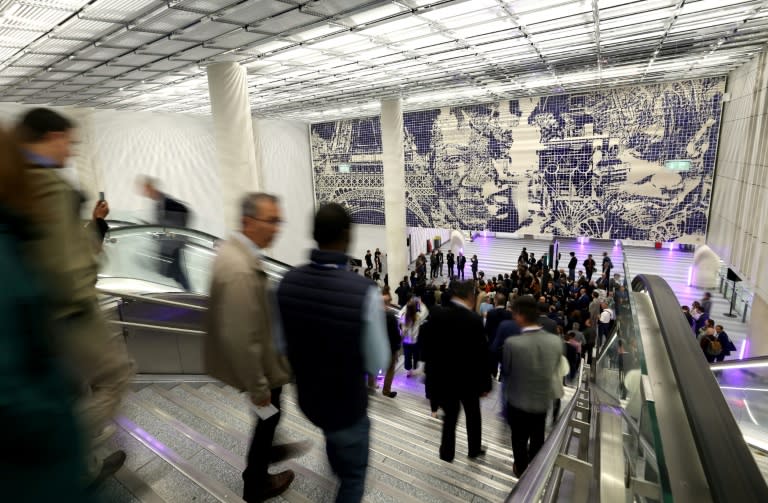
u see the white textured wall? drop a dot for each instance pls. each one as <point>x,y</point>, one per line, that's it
<point>738,225</point>
<point>738,230</point>
<point>177,149</point>
<point>283,157</point>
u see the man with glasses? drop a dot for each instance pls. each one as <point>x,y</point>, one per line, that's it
<point>243,347</point>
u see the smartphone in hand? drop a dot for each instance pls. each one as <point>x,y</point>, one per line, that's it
<point>101,196</point>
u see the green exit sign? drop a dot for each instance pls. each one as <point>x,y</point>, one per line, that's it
<point>344,168</point>
<point>678,165</point>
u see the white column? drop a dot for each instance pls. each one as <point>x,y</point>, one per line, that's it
<point>394,188</point>
<point>233,127</point>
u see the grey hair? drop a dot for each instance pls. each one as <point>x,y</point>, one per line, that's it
<point>250,204</point>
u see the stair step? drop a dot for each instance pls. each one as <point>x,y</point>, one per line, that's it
<point>293,421</point>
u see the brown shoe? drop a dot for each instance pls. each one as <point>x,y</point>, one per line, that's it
<point>278,483</point>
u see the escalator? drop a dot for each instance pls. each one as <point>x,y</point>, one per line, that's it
<point>161,323</point>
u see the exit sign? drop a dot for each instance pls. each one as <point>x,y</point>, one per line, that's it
<point>678,165</point>
<point>344,168</point>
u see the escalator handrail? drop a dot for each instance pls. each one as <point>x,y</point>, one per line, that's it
<point>729,467</point>
<point>535,478</point>
<point>183,230</point>
<point>150,227</point>
<point>153,300</point>
<point>755,361</point>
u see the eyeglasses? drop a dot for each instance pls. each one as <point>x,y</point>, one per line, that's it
<point>273,221</point>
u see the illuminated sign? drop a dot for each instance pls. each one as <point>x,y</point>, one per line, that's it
<point>344,168</point>
<point>678,165</point>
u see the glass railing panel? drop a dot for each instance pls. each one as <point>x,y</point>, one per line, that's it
<point>619,374</point>
<point>745,388</point>
<point>148,253</point>
<point>139,258</point>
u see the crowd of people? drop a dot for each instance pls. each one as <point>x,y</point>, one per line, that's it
<point>712,338</point>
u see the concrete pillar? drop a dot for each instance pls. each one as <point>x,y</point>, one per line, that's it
<point>757,338</point>
<point>394,188</point>
<point>233,128</point>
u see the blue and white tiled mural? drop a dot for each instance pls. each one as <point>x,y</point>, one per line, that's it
<point>600,164</point>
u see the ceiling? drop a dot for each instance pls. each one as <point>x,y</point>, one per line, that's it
<point>325,59</point>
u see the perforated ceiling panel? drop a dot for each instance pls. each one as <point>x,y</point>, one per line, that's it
<point>323,59</point>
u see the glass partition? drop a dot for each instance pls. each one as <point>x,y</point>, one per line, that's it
<point>150,259</point>
<point>619,374</point>
<point>745,387</point>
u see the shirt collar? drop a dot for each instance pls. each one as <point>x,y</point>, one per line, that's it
<point>252,247</point>
<point>532,328</point>
<point>40,160</point>
<point>461,304</point>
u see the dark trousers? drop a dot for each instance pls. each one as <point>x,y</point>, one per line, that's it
<point>440,268</point>
<point>256,476</point>
<point>347,451</point>
<point>527,435</point>
<point>450,271</point>
<point>474,273</point>
<point>390,375</point>
<point>586,351</point>
<point>460,272</point>
<point>411,354</point>
<point>571,274</point>
<point>589,274</point>
<point>472,416</point>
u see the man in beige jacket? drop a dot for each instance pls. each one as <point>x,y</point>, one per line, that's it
<point>65,252</point>
<point>241,348</point>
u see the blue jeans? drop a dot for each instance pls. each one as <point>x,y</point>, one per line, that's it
<point>347,452</point>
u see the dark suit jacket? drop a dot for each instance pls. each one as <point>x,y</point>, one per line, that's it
<point>455,353</point>
<point>461,261</point>
<point>492,321</point>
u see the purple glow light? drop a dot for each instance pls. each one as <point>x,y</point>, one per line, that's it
<point>690,275</point>
<point>616,243</point>
<point>743,349</point>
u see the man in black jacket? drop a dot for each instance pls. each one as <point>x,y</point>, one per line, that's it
<point>572,267</point>
<point>449,258</point>
<point>455,355</point>
<point>492,321</point>
<point>461,261</point>
<point>170,213</point>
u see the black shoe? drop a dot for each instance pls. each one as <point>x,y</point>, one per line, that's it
<point>477,454</point>
<point>291,450</point>
<point>109,467</point>
<point>391,394</point>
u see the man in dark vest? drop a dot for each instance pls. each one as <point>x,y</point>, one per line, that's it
<point>449,258</point>
<point>332,338</point>
<point>440,261</point>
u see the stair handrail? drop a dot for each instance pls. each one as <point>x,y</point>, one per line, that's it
<point>153,300</point>
<point>534,480</point>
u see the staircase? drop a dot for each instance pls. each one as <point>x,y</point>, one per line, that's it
<point>187,442</point>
